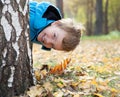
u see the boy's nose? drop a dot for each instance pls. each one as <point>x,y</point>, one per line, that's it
<point>48,40</point>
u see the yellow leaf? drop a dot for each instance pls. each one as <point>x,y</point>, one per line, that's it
<point>98,95</point>
<point>48,86</point>
<point>59,93</point>
<point>37,75</point>
<point>94,82</point>
<point>78,68</point>
<point>105,60</point>
<point>60,85</point>
<point>116,59</point>
<point>76,95</point>
<point>40,74</point>
<point>75,84</point>
<point>114,90</point>
<point>83,81</point>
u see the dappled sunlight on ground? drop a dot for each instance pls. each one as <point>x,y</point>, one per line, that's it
<point>88,51</point>
<point>94,70</point>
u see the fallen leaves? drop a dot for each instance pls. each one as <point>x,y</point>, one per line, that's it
<point>94,71</point>
<point>41,91</point>
<point>35,91</point>
<point>40,74</point>
<point>98,95</point>
<point>56,70</point>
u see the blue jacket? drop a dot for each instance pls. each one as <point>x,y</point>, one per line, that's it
<point>41,15</point>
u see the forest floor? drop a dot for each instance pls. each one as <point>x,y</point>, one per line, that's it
<point>94,71</point>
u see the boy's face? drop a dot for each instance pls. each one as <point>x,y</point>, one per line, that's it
<point>52,36</point>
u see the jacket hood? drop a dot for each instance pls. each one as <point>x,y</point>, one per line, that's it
<point>41,15</point>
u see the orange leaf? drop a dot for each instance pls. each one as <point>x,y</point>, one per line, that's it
<point>58,69</point>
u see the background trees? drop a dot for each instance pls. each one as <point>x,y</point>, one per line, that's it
<point>89,17</point>
<point>106,30</point>
<point>15,50</point>
<point>99,18</point>
<point>86,12</point>
<point>59,4</point>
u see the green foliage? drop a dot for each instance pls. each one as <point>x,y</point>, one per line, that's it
<point>81,16</point>
<point>78,9</point>
<point>114,35</point>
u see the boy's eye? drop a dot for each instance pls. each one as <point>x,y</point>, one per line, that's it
<point>54,35</point>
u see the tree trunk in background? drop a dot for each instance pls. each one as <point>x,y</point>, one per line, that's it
<point>115,16</point>
<point>99,18</point>
<point>106,31</point>
<point>15,50</point>
<point>59,4</point>
<point>117,19</point>
<point>89,15</point>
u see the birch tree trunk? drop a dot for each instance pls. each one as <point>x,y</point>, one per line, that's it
<point>16,73</point>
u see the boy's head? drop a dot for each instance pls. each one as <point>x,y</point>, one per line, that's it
<point>63,35</point>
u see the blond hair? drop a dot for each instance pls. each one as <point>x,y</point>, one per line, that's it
<point>73,34</point>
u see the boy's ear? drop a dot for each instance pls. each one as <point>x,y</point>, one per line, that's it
<point>56,22</point>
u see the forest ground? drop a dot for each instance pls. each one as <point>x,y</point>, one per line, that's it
<point>94,71</point>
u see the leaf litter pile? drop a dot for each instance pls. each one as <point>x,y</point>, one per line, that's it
<point>91,70</point>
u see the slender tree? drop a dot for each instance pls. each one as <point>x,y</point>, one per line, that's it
<point>89,15</point>
<point>15,50</point>
<point>99,18</point>
<point>59,4</point>
<point>114,15</point>
<point>106,30</point>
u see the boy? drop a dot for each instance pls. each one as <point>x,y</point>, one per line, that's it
<point>47,28</point>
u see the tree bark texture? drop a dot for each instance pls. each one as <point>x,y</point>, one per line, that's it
<point>16,73</point>
<point>99,18</point>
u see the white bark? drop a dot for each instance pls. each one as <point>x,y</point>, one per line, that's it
<point>16,74</point>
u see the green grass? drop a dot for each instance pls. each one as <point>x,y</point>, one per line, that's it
<point>115,35</point>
